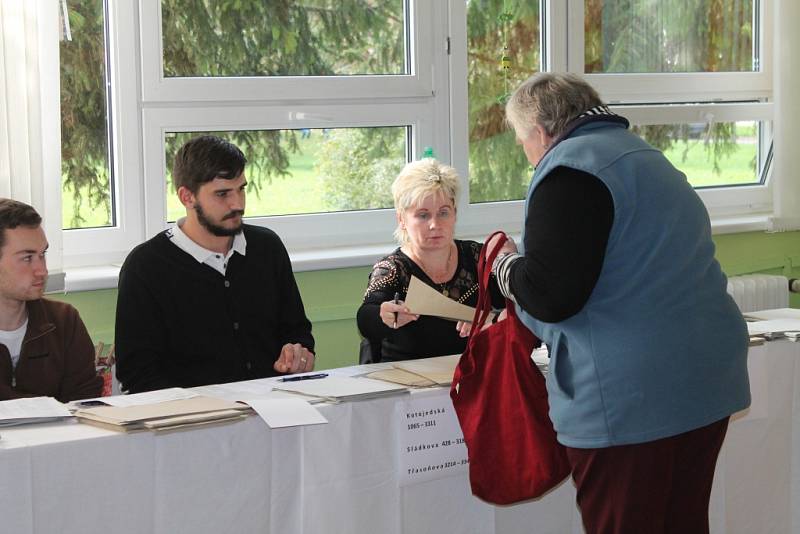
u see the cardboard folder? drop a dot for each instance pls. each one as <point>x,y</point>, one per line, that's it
<point>182,413</point>
<point>424,372</point>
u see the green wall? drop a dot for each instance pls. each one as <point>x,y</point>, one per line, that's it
<point>332,297</point>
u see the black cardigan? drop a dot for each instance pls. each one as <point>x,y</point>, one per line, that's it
<point>567,226</point>
<point>182,323</point>
<point>427,336</point>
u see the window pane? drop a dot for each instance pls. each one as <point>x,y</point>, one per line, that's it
<point>647,36</point>
<point>309,170</point>
<point>726,153</point>
<point>284,38</point>
<point>87,198</point>
<point>503,51</point>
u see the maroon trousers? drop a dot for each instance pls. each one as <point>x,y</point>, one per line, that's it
<point>658,487</point>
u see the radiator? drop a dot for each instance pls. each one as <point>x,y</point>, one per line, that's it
<point>753,292</point>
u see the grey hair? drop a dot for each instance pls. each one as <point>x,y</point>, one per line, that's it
<point>417,181</point>
<point>551,100</point>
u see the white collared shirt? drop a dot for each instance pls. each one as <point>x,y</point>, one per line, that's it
<point>215,260</point>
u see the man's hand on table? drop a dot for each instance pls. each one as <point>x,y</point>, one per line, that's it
<point>294,358</point>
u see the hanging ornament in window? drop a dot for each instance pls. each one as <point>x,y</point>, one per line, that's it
<point>504,19</point>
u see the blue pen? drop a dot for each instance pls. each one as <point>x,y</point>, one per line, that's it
<point>303,377</point>
<point>396,301</point>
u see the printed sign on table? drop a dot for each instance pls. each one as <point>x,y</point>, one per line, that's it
<point>430,441</point>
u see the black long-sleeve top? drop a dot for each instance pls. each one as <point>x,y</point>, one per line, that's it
<point>182,323</point>
<point>427,336</point>
<point>566,232</point>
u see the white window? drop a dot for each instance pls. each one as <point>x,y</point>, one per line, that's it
<point>103,222</point>
<point>323,86</point>
<point>329,99</point>
<point>693,77</point>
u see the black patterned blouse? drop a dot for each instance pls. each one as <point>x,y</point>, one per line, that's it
<point>427,336</point>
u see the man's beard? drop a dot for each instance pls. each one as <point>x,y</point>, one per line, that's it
<point>219,231</point>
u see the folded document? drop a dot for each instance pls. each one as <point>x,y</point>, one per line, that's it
<point>422,299</point>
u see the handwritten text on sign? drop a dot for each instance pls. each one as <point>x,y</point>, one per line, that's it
<point>430,441</point>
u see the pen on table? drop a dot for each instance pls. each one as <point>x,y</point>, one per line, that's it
<point>303,377</point>
<point>83,404</point>
<point>396,301</point>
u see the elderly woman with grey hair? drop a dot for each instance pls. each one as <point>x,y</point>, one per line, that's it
<point>425,194</point>
<point>618,278</point>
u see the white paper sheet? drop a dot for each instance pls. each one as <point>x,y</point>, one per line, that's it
<point>341,387</point>
<point>261,389</point>
<point>360,370</point>
<point>280,413</point>
<point>29,410</point>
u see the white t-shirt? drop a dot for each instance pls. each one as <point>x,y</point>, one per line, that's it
<point>13,341</point>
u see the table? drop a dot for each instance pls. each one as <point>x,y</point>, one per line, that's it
<point>342,477</point>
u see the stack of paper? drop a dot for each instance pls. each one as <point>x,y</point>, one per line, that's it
<point>163,416</point>
<point>341,388</point>
<point>439,369</point>
<point>135,399</point>
<point>32,410</point>
<point>360,370</point>
<point>259,389</point>
<point>425,372</point>
<point>400,376</point>
<point>778,313</point>
<point>774,323</point>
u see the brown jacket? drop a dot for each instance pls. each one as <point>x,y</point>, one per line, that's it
<point>57,356</point>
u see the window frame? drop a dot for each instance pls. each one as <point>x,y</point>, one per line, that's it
<point>667,98</point>
<point>418,100</point>
<point>672,87</point>
<point>723,201</point>
<point>302,231</point>
<point>157,88</point>
<point>643,99</point>
<point>110,245</point>
<point>432,100</point>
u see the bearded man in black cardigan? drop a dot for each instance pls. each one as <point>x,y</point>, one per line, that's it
<point>211,299</point>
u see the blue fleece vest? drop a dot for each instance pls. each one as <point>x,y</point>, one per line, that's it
<point>660,348</point>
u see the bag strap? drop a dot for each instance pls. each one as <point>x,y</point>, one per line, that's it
<point>485,261</point>
<point>485,267</point>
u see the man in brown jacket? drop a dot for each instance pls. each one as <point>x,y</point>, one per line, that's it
<point>44,347</point>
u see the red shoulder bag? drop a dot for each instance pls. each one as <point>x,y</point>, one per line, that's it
<point>500,398</point>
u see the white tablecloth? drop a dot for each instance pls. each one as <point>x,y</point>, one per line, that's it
<point>342,477</point>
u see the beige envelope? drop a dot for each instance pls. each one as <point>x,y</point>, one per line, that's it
<point>422,299</point>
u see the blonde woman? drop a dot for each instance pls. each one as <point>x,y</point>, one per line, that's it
<point>425,194</point>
